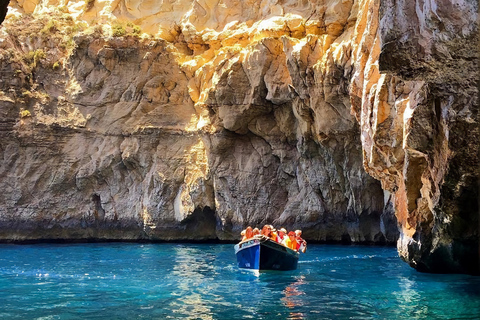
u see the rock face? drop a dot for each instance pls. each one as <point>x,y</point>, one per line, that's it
<point>438,186</point>
<point>194,119</point>
<point>420,132</point>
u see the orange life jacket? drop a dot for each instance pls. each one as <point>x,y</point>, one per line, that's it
<point>290,244</point>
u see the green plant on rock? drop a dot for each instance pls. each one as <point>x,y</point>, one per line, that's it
<point>68,44</point>
<point>118,30</point>
<point>26,94</point>
<point>136,30</point>
<point>25,114</point>
<point>50,27</point>
<point>42,96</point>
<point>33,57</point>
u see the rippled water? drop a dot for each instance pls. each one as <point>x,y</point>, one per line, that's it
<point>186,281</point>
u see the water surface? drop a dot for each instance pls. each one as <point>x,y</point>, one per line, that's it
<point>201,281</point>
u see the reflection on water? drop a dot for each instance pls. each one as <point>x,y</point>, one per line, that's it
<point>409,299</point>
<point>292,298</point>
<point>191,265</point>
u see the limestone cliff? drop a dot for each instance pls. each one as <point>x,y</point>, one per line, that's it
<point>193,119</point>
<point>419,120</point>
<point>441,142</point>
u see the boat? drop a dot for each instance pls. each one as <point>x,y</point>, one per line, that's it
<point>262,253</point>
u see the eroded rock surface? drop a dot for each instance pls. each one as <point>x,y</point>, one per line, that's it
<point>419,120</point>
<point>194,119</point>
<point>438,52</point>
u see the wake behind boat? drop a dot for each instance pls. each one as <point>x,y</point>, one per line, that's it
<point>261,253</point>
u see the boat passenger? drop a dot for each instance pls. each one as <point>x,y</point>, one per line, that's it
<point>243,233</point>
<point>273,234</point>
<point>301,244</point>
<point>290,241</point>
<point>281,235</point>
<point>267,231</point>
<point>248,233</point>
<point>256,231</point>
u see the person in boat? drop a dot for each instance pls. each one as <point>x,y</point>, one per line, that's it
<point>290,241</point>
<point>248,233</point>
<point>273,234</point>
<point>301,244</point>
<point>267,231</point>
<point>256,231</point>
<point>281,234</point>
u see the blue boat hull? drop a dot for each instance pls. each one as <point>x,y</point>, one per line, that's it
<point>265,254</point>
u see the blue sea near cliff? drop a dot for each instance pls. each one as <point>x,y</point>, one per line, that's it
<point>201,281</point>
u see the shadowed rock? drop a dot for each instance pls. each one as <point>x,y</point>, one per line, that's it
<point>3,9</point>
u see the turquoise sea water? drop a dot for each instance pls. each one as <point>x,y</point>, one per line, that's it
<point>201,281</point>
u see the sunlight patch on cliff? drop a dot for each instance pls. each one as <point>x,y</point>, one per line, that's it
<point>198,122</point>
<point>191,192</point>
<point>197,160</point>
<point>147,220</point>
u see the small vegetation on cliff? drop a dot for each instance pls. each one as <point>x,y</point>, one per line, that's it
<point>54,27</point>
<point>120,29</point>
<point>33,57</point>
<point>25,114</point>
<point>116,29</point>
<point>51,27</point>
<point>37,42</point>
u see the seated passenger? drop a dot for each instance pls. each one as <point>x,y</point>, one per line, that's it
<point>256,231</point>
<point>273,234</point>
<point>248,233</point>
<point>267,231</point>
<point>301,244</point>
<point>281,235</point>
<point>290,241</point>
